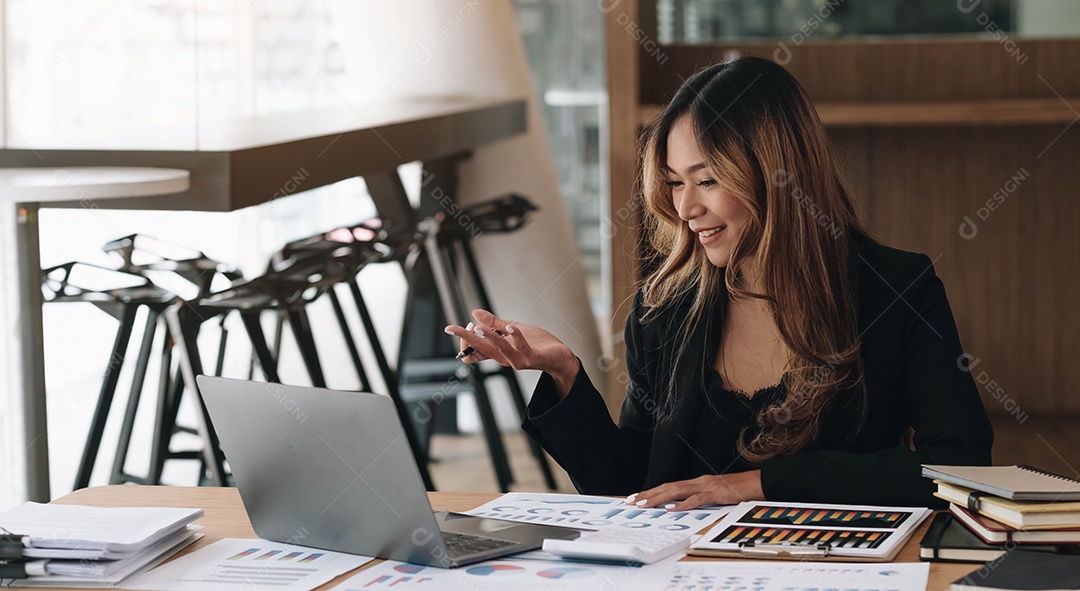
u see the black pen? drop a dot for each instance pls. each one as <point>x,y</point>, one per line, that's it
<point>469,350</point>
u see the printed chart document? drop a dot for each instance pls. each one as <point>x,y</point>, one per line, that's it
<point>95,532</point>
<point>232,563</point>
<point>518,575</point>
<point>767,575</point>
<point>854,532</point>
<point>593,513</point>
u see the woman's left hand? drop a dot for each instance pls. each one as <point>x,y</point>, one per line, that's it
<point>711,489</point>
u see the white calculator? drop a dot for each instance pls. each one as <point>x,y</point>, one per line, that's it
<point>623,546</point>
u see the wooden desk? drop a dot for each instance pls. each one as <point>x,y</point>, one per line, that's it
<point>226,518</point>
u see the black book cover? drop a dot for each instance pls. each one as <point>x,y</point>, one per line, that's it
<point>1024,570</point>
<point>947,540</point>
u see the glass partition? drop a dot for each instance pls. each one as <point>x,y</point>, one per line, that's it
<point>709,21</point>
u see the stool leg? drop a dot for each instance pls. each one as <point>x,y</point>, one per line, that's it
<point>259,346</point>
<point>491,431</point>
<point>168,384</point>
<point>442,268</point>
<point>219,366</point>
<point>511,376</point>
<point>300,325</point>
<point>105,398</point>
<point>350,342</point>
<point>391,380</point>
<point>137,383</point>
<point>185,332</point>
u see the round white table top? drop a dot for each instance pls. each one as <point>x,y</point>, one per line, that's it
<point>77,183</point>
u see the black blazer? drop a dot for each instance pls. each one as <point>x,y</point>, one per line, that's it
<point>914,378</point>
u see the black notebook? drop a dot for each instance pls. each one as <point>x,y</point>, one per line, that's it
<point>1022,570</point>
<point>949,540</point>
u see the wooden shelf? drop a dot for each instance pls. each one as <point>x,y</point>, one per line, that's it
<point>987,112</point>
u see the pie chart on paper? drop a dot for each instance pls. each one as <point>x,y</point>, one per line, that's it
<point>566,572</point>
<point>495,570</point>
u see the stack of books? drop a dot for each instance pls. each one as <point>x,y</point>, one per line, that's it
<point>995,509</point>
<point>77,546</point>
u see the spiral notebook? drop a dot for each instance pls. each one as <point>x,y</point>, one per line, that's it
<point>1017,483</point>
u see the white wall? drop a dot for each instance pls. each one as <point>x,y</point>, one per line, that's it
<point>473,48</point>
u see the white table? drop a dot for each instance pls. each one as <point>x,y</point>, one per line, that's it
<point>25,190</point>
<point>237,164</point>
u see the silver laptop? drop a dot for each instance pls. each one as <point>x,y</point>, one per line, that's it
<point>333,470</point>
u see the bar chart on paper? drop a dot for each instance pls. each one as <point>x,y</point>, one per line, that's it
<point>593,513</point>
<point>801,537</point>
<point>234,563</point>
<point>520,575</point>
<point>862,531</point>
<point>788,576</point>
<point>779,515</point>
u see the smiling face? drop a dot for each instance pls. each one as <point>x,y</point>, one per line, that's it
<point>713,214</point>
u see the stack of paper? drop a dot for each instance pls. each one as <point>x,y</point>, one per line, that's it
<point>74,545</point>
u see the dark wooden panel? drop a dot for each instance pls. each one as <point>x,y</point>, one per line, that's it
<point>1013,283</point>
<point>930,69</point>
<point>968,112</point>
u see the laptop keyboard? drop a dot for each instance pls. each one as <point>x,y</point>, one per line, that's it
<point>465,544</point>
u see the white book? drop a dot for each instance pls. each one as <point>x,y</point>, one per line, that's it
<point>1018,483</point>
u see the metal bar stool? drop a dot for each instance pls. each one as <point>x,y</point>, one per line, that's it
<point>64,284</point>
<point>504,214</point>
<point>190,273</point>
<point>349,250</point>
<point>294,280</point>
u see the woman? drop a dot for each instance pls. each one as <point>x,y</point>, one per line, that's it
<point>777,351</point>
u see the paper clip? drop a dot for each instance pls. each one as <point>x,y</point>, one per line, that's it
<point>784,550</point>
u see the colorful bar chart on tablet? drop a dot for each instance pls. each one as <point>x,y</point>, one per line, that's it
<point>593,513</point>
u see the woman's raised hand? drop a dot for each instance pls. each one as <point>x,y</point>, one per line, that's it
<point>516,345</point>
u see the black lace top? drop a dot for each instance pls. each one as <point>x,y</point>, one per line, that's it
<point>724,414</point>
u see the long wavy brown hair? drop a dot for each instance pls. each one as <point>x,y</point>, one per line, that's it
<point>765,145</point>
